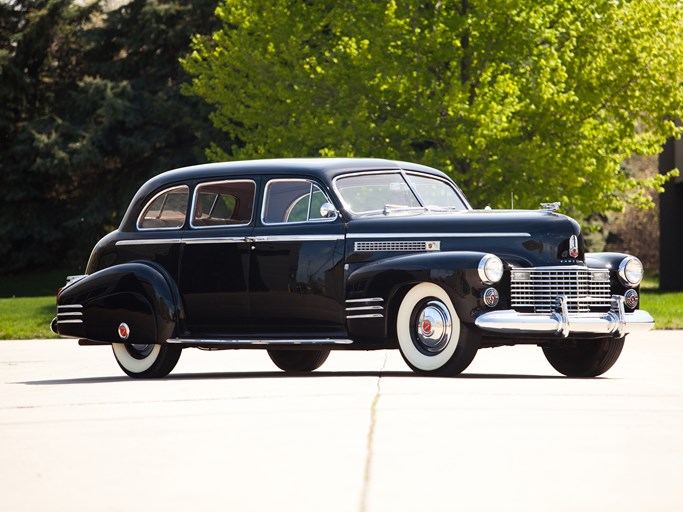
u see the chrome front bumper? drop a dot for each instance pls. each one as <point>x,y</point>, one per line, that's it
<point>615,322</point>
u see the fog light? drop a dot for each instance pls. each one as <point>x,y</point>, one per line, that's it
<point>631,299</point>
<point>124,331</point>
<point>491,297</point>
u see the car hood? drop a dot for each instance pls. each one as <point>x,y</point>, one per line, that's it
<point>520,237</point>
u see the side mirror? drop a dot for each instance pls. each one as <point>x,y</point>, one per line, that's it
<point>328,211</point>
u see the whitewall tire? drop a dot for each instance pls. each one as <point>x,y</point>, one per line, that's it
<point>146,360</point>
<point>430,335</point>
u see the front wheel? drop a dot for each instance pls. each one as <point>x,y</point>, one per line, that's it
<point>588,358</point>
<point>298,360</point>
<point>145,360</point>
<point>431,337</point>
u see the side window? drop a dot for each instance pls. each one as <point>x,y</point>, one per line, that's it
<point>166,210</point>
<point>290,201</point>
<point>225,203</point>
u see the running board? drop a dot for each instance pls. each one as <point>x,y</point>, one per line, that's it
<point>253,342</point>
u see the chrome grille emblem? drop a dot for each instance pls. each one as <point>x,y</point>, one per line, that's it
<point>573,246</point>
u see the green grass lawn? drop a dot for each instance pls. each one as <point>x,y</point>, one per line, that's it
<point>665,307</point>
<point>26,317</point>
<point>30,317</point>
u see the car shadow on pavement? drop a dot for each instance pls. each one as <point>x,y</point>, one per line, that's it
<point>283,375</point>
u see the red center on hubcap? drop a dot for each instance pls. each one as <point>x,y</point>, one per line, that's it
<point>426,326</point>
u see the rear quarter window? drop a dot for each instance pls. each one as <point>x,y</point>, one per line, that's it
<point>166,210</point>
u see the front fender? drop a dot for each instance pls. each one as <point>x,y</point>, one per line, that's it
<point>140,294</point>
<point>391,278</point>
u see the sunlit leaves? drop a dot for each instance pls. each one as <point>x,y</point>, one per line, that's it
<point>540,98</point>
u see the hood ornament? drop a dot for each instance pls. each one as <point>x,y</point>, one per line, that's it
<point>551,207</point>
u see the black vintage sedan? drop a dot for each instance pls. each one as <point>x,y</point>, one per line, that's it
<point>303,256</point>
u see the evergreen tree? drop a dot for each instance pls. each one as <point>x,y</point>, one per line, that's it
<point>92,110</point>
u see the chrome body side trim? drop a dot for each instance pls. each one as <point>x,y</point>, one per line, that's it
<point>297,238</point>
<point>247,342</point>
<point>401,236</point>
<point>233,239</point>
<point>215,240</point>
<point>372,299</point>
<point>373,315</point>
<point>153,241</point>
<point>562,323</point>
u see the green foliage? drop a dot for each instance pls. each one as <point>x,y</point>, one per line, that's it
<point>89,109</point>
<point>543,98</point>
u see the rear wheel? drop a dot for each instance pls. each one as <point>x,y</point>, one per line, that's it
<point>145,360</point>
<point>588,358</point>
<point>431,337</point>
<point>298,360</point>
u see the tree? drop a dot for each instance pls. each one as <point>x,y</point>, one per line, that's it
<point>541,98</point>
<point>90,107</point>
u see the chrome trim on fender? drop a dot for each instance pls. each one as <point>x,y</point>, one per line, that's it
<point>561,323</point>
<point>401,236</point>
<point>70,306</point>
<point>152,241</point>
<point>69,321</point>
<point>371,304</point>
<point>321,341</point>
<point>364,308</point>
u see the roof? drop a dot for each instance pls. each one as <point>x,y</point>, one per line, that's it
<point>324,169</point>
<point>321,167</point>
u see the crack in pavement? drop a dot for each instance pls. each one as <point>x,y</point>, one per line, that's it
<point>370,440</point>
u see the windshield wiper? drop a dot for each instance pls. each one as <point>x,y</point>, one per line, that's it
<point>390,208</point>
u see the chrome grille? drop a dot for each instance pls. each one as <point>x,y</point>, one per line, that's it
<point>538,288</point>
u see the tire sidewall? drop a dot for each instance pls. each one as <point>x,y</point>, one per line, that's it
<point>131,364</point>
<point>413,356</point>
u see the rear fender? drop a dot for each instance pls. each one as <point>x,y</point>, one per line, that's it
<point>141,295</point>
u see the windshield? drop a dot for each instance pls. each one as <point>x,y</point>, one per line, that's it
<point>390,192</point>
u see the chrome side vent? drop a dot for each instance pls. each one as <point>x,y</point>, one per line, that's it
<point>365,308</point>
<point>397,246</point>
<point>70,314</point>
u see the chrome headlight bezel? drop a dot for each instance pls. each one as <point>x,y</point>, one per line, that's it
<point>631,271</point>
<point>491,269</point>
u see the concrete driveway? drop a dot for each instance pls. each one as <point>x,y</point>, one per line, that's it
<point>228,432</point>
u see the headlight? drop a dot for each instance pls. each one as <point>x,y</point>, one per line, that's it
<point>490,269</point>
<point>631,271</point>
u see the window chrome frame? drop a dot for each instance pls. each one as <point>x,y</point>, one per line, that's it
<point>312,184</point>
<point>154,198</point>
<point>198,186</point>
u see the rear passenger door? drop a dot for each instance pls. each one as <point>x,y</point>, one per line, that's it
<point>215,258</point>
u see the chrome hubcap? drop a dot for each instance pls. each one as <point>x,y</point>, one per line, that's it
<point>433,327</point>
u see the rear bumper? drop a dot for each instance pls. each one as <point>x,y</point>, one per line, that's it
<point>561,323</point>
